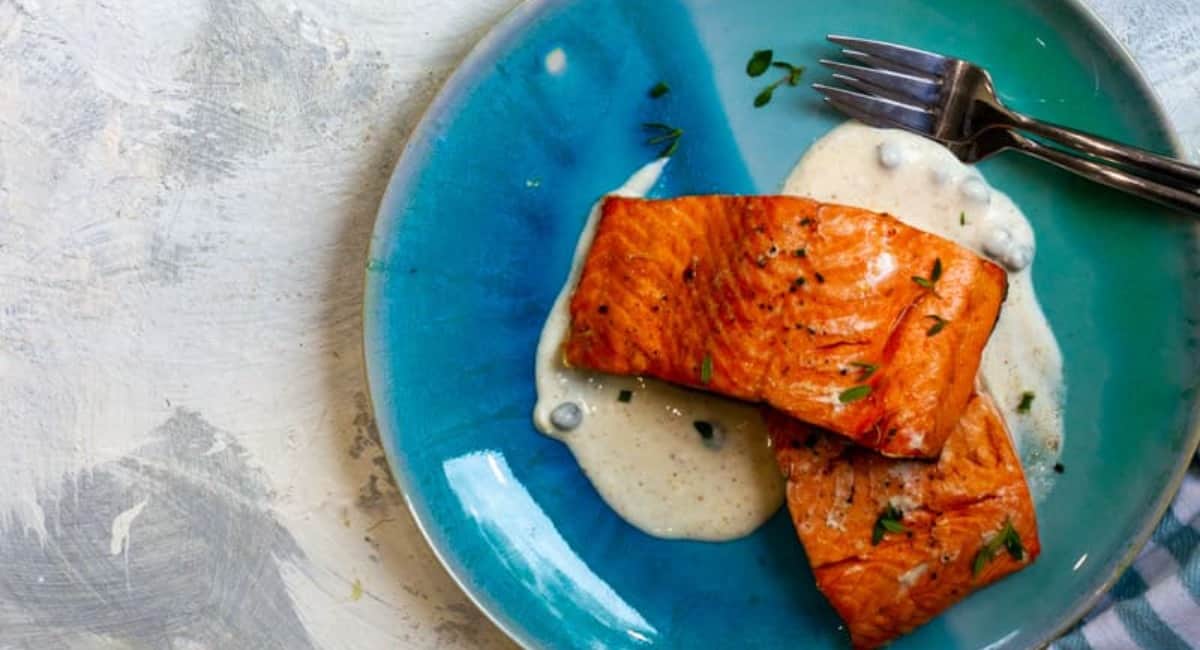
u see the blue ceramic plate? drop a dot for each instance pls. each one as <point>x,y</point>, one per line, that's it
<point>475,236</point>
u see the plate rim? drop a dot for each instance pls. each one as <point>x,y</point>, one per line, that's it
<point>422,135</point>
<point>1192,443</point>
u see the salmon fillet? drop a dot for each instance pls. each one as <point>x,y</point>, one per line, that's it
<point>885,582</point>
<point>838,316</point>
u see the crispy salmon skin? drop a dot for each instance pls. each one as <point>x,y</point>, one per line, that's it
<point>893,542</point>
<point>838,316</point>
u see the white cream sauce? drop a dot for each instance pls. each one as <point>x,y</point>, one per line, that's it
<point>924,185</point>
<point>646,457</point>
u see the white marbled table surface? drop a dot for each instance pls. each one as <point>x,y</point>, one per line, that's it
<point>187,188</point>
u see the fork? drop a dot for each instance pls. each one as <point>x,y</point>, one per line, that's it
<point>954,102</point>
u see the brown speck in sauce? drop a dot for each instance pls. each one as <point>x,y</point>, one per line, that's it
<point>820,278</point>
<point>689,274</point>
<point>603,309</point>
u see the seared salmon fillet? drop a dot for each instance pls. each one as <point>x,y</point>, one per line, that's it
<point>893,542</point>
<point>839,316</point>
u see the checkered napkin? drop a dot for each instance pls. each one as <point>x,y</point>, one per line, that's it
<point>1156,603</point>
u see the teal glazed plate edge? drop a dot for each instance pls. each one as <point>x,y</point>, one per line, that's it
<point>423,307</point>
<point>1192,445</point>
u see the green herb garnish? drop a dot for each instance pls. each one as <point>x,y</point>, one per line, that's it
<point>764,97</point>
<point>758,65</point>
<point>659,89</point>
<point>962,218</point>
<point>982,558</point>
<point>1007,539</point>
<point>888,522</point>
<point>939,324</point>
<point>1026,402</point>
<point>854,394</point>
<point>868,369</point>
<point>795,72</point>
<point>705,429</point>
<point>706,369</point>
<point>666,133</point>
<point>935,274</point>
<point>800,252</point>
<point>759,62</point>
<point>625,396</point>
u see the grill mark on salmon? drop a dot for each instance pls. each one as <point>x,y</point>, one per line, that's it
<point>950,507</point>
<point>782,295</point>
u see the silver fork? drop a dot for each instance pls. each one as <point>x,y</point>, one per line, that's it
<point>953,101</point>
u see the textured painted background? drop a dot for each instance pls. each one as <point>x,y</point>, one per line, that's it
<point>186,193</point>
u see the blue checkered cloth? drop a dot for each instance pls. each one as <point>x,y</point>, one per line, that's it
<point>1156,603</point>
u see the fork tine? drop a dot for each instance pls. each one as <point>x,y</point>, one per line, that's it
<point>894,85</point>
<point>920,60</point>
<point>866,88</point>
<point>882,64</point>
<point>861,116</point>
<point>876,121</point>
<point>878,111</point>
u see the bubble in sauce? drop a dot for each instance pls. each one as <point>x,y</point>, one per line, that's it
<point>890,155</point>
<point>566,416</point>
<point>976,190</point>
<point>998,244</point>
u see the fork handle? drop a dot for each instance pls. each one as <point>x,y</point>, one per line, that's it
<point>1171,170</point>
<point>1170,196</point>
